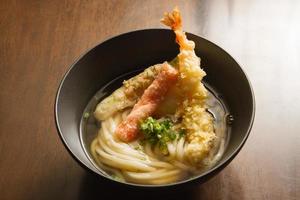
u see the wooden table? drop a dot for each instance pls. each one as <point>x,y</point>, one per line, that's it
<point>40,39</point>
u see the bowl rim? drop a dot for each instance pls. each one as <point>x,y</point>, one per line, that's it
<point>219,165</point>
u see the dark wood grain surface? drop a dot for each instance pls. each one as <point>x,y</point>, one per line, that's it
<point>39,40</point>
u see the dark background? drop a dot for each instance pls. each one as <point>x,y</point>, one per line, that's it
<point>39,40</point>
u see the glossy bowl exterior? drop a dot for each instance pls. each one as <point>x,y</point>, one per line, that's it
<point>137,50</point>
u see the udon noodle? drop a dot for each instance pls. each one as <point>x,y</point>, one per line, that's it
<point>183,140</point>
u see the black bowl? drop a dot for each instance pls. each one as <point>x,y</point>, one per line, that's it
<point>137,50</point>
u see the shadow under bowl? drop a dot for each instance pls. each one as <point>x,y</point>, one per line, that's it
<point>134,51</point>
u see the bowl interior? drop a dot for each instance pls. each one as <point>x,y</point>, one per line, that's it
<point>137,50</point>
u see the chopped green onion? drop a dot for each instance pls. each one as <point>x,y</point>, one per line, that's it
<point>86,115</point>
<point>159,132</point>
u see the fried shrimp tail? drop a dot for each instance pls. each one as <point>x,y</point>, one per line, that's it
<point>174,21</point>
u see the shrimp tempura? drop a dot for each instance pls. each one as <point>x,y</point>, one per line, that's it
<point>197,122</point>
